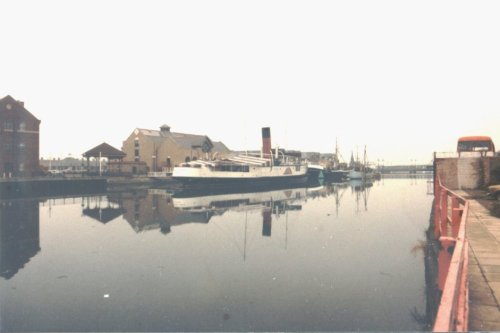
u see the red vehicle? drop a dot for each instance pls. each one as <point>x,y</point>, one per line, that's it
<point>482,144</point>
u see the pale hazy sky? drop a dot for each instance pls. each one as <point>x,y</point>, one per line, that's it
<point>405,78</point>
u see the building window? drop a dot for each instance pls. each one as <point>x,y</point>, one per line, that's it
<point>136,150</point>
<point>22,126</point>
<point>21,167</point>
<point>8,125</point>
<point>22,146</point>
<point>136,155</point>
<point>7,147</point>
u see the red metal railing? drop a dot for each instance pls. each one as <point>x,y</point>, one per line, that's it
<point>450,215</point>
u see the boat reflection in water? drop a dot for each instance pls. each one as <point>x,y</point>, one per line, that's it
<point>222,201</point>
<point>361,189</point>
<point>269,202</point>
<point>159,208</point>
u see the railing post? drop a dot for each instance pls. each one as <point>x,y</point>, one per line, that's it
<point>456,215</point>
<point>444,259</point>
<point>437,216</point>
<point>444,213</point>
<point>437,187</point>
<point>455,210</point>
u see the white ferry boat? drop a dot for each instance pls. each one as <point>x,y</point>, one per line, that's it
<point>241,169</point>
<point>245,170</point>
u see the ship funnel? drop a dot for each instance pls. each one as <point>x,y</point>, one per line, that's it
<point>266,142</point>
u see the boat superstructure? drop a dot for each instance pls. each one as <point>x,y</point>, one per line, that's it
<point>245,169</point>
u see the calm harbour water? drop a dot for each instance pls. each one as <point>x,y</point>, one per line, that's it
<point>328,258</point>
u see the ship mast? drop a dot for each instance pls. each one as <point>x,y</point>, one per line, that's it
<point>336,160</point>
<point>364,160</point>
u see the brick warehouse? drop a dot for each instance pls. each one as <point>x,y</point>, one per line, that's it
<point>19,140</point>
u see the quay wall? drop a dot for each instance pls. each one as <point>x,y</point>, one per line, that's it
<point>11,188</point>
<point>467,173</point>
<point>41,187</point>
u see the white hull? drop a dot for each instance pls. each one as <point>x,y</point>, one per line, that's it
<point>253,173</point>
<point>360,175</point>
<point>238,169</point>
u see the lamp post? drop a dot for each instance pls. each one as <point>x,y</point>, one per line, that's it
<point>413,166</point>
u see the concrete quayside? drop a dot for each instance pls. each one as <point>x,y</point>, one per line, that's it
<point>470,232</point>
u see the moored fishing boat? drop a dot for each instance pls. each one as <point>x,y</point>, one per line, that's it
<point>336,175</point>
<point>360,174</point>
<point>315,172</point>
<point>336,172</point>
<point>360,170</point>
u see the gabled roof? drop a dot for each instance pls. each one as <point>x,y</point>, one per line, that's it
<point>186,141</point>
<point>190,140</point>
<point>220,147</point>
<point>104,150</point>
<point>104,215</point>
<point>19,105</point>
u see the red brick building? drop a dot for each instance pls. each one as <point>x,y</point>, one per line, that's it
<point>19,140</point>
